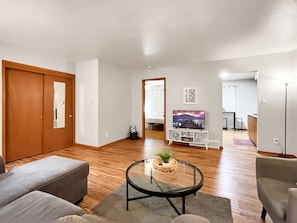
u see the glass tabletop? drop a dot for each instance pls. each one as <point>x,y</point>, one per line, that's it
<point>185,179</point>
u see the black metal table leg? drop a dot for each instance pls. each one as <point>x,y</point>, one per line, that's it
<point>127,198</point>
<point>184,204</point>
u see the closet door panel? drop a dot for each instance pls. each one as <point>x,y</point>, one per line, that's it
<point>58,114</point>
<point>24,108</point>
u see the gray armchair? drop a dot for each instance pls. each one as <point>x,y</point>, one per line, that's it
<point>277,189</point>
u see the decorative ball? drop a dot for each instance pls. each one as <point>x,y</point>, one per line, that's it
<point>132,128</point>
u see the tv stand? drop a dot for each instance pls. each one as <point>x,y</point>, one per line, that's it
<point>194,137</point>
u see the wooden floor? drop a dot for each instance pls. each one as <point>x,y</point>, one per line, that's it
<point>228,173</point>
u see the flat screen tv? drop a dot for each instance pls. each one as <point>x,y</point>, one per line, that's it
<point>191,119</point>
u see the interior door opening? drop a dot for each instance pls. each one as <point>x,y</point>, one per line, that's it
<point>237,103</point>
<point>154,111</point>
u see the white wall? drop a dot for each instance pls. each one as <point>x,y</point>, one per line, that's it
<point>292,104</point>
<point>271,122</point>
<point>33,58</point>
<point>87,103</point>
<point>243,100</point>
<point>118,93</point>
<point>103,103</point>
<point>270,115</point>
<point>295,62</point>
<point>205,77</point>
<point>114,103</point>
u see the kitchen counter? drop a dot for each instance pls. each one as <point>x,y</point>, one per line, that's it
<point>252,127</point>
<point>253,115</point>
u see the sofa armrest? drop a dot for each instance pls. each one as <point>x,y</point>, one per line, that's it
<point>277,168</point>
<point>2,165</point>
<point>40,207</point>
<point>292,205</point>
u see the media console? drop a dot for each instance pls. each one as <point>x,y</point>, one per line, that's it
<point>195,137</point>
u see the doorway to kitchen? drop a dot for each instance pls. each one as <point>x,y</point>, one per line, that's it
<point>239,98</point>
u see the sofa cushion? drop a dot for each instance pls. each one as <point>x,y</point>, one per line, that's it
<point>38,206</point>
<point>190,218</point>
<point>52,174</point>
<point>86,218</point>
<point>2,166</point>
<point>274,196</point>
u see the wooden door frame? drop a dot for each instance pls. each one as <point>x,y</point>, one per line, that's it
<point>143,103</point>
<point>43,71</point>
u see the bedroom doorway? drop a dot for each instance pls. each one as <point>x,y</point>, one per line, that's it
<point>153,118</point>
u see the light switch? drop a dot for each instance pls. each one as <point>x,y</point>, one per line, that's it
<point>264,100</point>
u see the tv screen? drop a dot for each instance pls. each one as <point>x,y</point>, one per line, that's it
<point>191,119</point>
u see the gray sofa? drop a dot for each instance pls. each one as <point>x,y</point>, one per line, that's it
<point>277,189</point>
<point>60,176</point>
<point>43,190</point>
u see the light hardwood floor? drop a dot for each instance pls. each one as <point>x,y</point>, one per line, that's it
<point>228,173</point>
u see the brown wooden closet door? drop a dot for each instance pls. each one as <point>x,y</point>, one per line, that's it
<point>24,110</point>
<point>57,138</point>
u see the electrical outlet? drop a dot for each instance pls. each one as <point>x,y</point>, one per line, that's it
<point>106,134</point>
<point>275,140</point>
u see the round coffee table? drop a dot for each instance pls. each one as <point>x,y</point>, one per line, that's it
<point>142,176</point>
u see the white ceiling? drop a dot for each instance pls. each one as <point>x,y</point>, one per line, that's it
<point>141,33</point>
